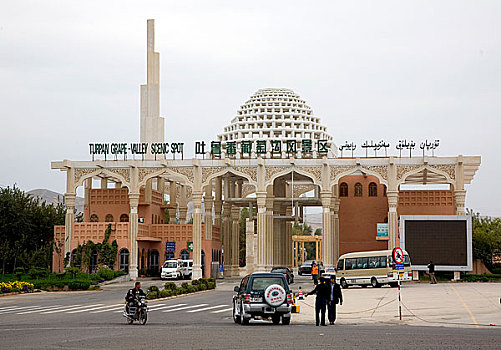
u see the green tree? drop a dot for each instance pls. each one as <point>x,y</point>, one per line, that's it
<point>486,238</point>
<point>27,229</point>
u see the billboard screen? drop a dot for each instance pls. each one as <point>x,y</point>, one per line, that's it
<point>446,240</point>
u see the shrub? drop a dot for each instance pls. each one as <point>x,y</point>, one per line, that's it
<point>170,286</point>
<point>19,272</point>
<point>211,285</point>
<point>165,293</point>
<point>153,295</point>
<point>184,285</point>
<point>153,289</point>
<point>105,274</point>
<point>203,287</point>
<point>76,285</point>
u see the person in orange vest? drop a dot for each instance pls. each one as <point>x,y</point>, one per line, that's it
<point>314,273</point>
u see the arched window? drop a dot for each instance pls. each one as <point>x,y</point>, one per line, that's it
<point>124,218</point>
<point>108,218</point>
<point>358,189</point>
<point>169,255</point>
<point>372,189</point>
<point>384,190</point>
<point>75,262</point>
<point>124,260</point>
<point>343,190</point>
<point>154,261</point>
<point>94,218</point>
<point>185,255</point>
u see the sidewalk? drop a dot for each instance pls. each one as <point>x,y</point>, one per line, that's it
<point>444,304</point>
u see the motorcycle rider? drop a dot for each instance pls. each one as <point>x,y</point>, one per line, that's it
<point>132,294</point>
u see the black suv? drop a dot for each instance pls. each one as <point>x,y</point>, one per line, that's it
<point>263,295</point>
<point>285,271</point>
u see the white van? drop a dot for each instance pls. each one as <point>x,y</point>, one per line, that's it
<point>171,269</point>
<point>371,268</point>
<point>185,269</point>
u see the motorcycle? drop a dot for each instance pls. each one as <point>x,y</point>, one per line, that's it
<point>136,311</point>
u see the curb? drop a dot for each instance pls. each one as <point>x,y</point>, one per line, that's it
<point>182,295</point>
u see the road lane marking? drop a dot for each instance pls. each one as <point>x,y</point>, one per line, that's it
<point>207,308</point>
<point>465,306</point>
<point>166,307</point>
<point>224,310</point>
<point>9,307</point>
<point>91,308</point>
<point>45,308</point>
<point>110,309</point>
<point>154,307</point>
<point>185,307</point>
<point>73,307</point>
<point>20,308</point>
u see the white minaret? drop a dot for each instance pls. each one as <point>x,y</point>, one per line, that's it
<point>152,125</point>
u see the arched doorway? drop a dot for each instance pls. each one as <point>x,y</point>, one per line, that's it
<point>185,255</point>
<point>154,261</point>
<point>124,260</point>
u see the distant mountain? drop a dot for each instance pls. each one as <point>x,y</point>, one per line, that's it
<point>51,197</point>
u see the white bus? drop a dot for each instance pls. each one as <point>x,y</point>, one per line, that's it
<point>374,268</point>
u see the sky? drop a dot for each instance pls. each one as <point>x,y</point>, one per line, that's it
<point>70,73</point>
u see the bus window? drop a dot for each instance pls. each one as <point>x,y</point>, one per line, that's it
<point>351,264</point>
<point>382,261</point>
<point>362,263</point>
<point>407,260</point>
<point>373,262</point>
<point>340,264</point>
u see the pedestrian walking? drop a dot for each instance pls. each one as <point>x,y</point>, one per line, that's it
<point>431,272</point>
<point>335,297</point>
<point>322,292</point>
<point>314,273</point>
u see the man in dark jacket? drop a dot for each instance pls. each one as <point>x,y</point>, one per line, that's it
<point>431,272</point>
<point>132,294</point>
<point>322,292</point>
<point>335,297</point>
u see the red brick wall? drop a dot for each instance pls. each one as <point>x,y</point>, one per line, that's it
<point>358,216</point>
<point>426,203</point>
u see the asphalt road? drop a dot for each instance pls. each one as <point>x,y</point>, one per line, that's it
<point>82,320</point>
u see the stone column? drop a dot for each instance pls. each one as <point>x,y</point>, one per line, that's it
<point>218,202</point>
<point>226,230</point>
<point>208,200</point>
<point>69,220</point>
<point>328,236</point>
<point>148,191</point>
<point>288,238</point>
<point>134,227</point>
<point>104,183</point>
<point>269,247</point>
<point>183,208</point>
<point>235,240</point>
<point>261,230</point>
<point>335,217</point>
<point>250,246</point>
<point>459,201</point>
<point>197,235</point>
<point>87,188</point>
<point>172,200</point>
<point>392,219</point>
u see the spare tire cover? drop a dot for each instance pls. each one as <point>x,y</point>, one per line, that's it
<point>275,295</point>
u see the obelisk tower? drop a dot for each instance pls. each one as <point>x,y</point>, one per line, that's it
<point>152,125</point>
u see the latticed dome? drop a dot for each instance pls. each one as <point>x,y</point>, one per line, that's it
<point>278,114</point>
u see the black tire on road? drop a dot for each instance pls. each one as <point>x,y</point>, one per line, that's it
<point>236,318</point>
<point>243,320</point>
<point>143,318</point>
<point>375,283</point>
<point>343,283</point>
<point>275,319</point>
<point>286,320</point>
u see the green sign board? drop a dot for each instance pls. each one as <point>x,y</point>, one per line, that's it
<point>190,246</point>
<point>382,232</point>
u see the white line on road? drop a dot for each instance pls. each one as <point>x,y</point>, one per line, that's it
<point>45,308</point>
<point>69,309</point>
<point>9,307</point>
<point>224,310</point>
<point>120,308</point>
<point>20,308</point>
<point>92,308</point>
<point>207,308</point>
<point>166,307</point>
<point>185,307</point>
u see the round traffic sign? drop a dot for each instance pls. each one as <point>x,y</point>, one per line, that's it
<point>398,255</point>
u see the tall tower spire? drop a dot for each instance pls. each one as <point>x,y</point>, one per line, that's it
<point>152,125</point>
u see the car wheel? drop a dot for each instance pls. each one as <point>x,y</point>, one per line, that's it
<point>299,273</point>
<point>344,284</point>
<point>236,318</point>
<point>375,283</point>
<point>275,319</point>
<point>243,320</point>
<point>286,320</point>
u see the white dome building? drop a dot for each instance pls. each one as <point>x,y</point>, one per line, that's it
<point>278,114</point>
